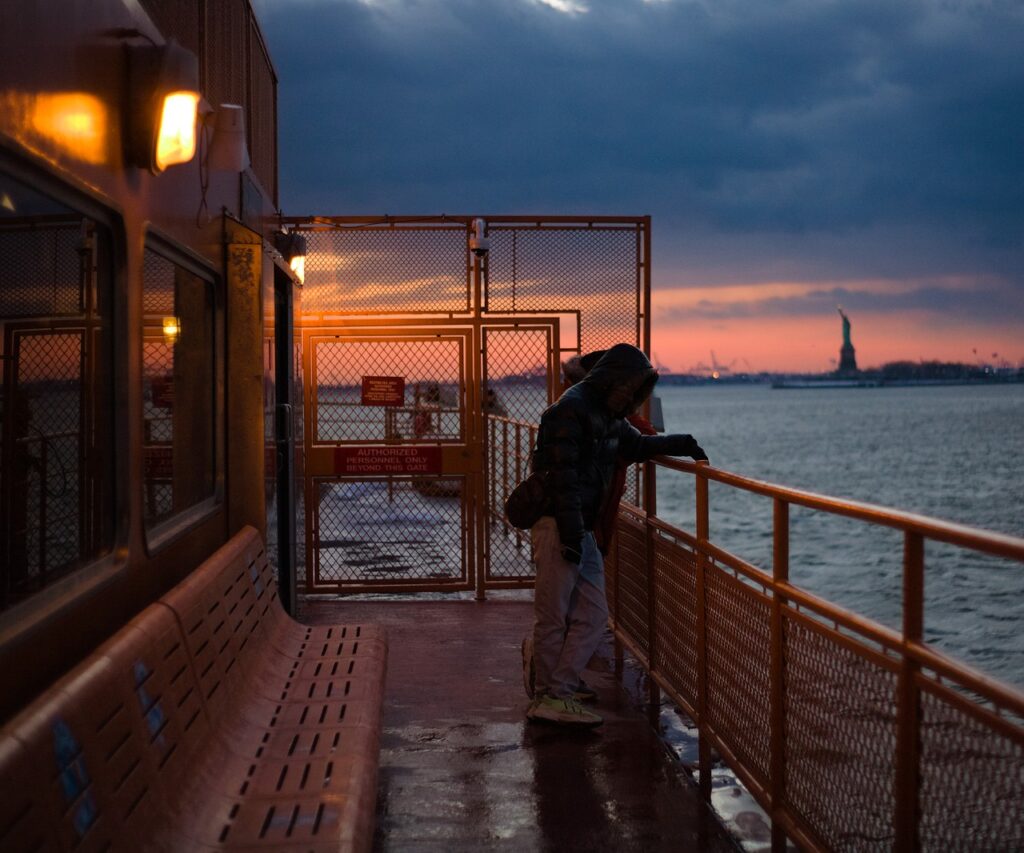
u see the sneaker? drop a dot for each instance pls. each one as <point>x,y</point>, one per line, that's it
<point>584,692</point>
<point>529,670</point>
<point>566,712</point>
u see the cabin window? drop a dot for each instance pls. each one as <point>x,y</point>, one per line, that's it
<point>179,403</point>
<point>56,398</point>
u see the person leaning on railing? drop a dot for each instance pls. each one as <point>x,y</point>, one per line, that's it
<point>581,441</point>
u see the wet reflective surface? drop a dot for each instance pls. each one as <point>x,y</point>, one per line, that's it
<point>461,769</point>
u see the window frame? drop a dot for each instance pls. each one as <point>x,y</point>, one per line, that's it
<point>157,537</point>
<point>76,585</point>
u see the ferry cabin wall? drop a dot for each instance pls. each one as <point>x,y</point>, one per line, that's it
<point>56,47</point>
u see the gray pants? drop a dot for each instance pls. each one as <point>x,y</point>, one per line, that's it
<point>570,610</point>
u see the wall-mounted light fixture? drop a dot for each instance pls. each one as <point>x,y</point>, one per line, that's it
<point>163,102</point>
<point>228,151</point>
<point>172,329</point>
<point>293,247</point>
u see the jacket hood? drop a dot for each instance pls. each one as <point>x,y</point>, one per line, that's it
<point>624,378</point>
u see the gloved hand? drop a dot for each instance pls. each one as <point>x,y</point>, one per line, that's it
<point>572,553</point>
<point>695,451</point>
<point>697,454</point>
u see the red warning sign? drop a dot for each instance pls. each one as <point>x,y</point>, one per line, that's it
<point>368,461</point>
<point>383,390</point>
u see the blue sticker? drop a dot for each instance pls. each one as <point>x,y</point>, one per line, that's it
<point>152,713</point>
<point>73,776</point>
<point>257,581</point>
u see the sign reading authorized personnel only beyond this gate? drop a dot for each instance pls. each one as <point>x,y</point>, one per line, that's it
<point>383,391</point>
<point>368,461</point>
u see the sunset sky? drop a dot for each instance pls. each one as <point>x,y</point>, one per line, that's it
<point>795,155</point>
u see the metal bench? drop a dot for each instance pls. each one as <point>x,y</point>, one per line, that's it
<point>212,720</point>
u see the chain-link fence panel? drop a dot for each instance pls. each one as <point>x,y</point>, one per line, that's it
<point>587,279</point>
<point>157,427</point>
<point>44,460</point>
<point>840,710</point>
<point>43,272</point>
<point>396,531</point>
<point>432,406</point>
<point>373,271</point>
<point>593,270</point>
<point>738,646</point>
<point>515,394</point>
<point>158,294</point>
<point>972,772</point>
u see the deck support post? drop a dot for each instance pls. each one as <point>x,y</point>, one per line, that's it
<point>780,575</point>
<point>908,701</point>
<point>651,509</point>
<point>703,534</point>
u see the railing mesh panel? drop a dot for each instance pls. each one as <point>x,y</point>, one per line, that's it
<point>377,271</point>
<point>738,666</point>
<point>516,370</point>
<point>49,395</point>
<point>433,405</point>
<point>632,599</point>
<point>675,567</point>
<point>42,275</point>
<point>590,270</point>
<point>158,427</point>
<point>402,530</point>
<point>158,294</point>
<point>972,778</point>
<point>516,388</point>
<point>509,446</point>
<point>840,711</point>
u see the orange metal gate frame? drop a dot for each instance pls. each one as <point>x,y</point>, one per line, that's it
<point>463,456</point>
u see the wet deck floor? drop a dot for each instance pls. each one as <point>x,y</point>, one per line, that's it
<point>461,769</point>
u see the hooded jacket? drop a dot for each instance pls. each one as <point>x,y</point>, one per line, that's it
<point>584,434</point>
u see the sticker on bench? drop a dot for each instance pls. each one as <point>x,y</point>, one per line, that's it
<point>257,581</point>
<point>152,713</point>
<point>74,777</point>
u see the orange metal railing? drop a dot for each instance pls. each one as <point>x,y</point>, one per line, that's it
<point>851,735</point>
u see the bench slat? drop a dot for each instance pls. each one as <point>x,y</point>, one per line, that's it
<point>211,721</point>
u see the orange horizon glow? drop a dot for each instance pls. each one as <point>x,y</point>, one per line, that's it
<point>810,344</point>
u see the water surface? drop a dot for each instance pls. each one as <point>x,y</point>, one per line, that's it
<point>952,452</point>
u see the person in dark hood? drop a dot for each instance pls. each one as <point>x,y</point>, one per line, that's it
<point>582,438</point>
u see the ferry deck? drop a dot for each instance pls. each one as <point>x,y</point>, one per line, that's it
<point>258,587</point>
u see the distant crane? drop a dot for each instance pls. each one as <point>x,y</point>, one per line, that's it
<point>716,368</point>
<point>661,368</point>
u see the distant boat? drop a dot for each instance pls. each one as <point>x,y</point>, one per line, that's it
<point>826,383</point>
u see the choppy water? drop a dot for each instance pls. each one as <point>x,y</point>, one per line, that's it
<point>954,453</point>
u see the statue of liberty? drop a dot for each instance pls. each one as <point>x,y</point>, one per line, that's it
<point>847,355</point>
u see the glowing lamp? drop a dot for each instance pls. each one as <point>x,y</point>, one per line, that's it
<point>176,138</point>
<point>172,329</point>
<point>293,247</point>
<point>76,122</point>
<point>164,103</point>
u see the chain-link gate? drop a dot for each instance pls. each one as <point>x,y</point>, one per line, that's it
<point>427,366</point>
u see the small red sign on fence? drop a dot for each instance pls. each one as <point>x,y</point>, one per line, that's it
<point>383,390</point>
<point>370,461</point>
<point>162,389</point>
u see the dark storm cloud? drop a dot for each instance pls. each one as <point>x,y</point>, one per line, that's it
<point>793,121</point>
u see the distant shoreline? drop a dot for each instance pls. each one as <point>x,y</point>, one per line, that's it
<point>883,383</point>
<point>790,381</point>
